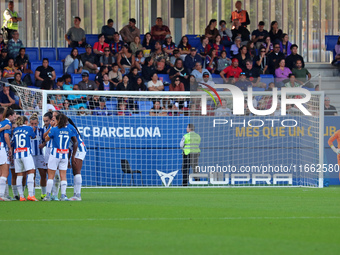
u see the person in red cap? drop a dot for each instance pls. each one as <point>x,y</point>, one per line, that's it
<point>232,71</point>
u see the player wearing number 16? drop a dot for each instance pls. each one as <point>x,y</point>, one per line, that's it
<point>336,137</point>
<point>60,136</point>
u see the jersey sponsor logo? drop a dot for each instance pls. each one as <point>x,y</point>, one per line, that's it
<point>20,150</point>
<point>62,151</point>
<point>167,178</point>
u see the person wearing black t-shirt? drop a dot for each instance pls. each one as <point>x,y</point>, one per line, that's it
<point>293,57</point>
<point>44,72</point>
<point>328,108</point>
<point>253,75</point>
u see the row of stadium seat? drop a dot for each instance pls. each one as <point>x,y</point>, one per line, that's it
<point>331,41</point>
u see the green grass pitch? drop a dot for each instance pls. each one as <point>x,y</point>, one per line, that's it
<point>177,221</point>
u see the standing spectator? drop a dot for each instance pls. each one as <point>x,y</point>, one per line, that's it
<point>89,60</point>
<point>225,34</point>
<point>262,61</point>
<point>99,46</point>
<point>148,43</point>
<point>275,33</point>
<point>148,69</point>
<point>178,70</point>
<point>337,52</point>
<point>115,76</point>
<point>17,80</point>
<point>130,31</point>
<point>231,72</point>
<point>241,15</point>
<point>211,31</point>
<point>87,84</point>
<point>106,60</point>
<point>155,84</point>
<point>274,58</point>
<point>125,60</point>
<point>253,75</point>
<point>184,46</point>
<point>242,57</point>
<point>75,36</point>
<point>258,36</point>
<point>211,60</point>
<point>73,63</point>
<point>301,74</point>
<point>116,45</point>
<point>292,82</point>
<point>285,45</point>
<point>267,44</point>
<point>235,48</point>
<point>21,61</point>
<point>10,70</point>
<point>329,109</point>
<point>223,61</point>
<point>169,46</point>
<point>125,84</point>
<point>199,71</point>
<point>281,72</point>
<point>11,19</point>
<point>108,31</point>
<point>191,59</point>
<point>202,49</point>
<point>293,57</point>
<point>240,31</point>
<point>106,85</point>
<point>136,45</point>
<point>4,58</point>
<point>14,45</point>
<point>159,31</point>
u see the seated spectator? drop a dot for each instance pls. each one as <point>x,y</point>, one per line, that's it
<point>302,74</point>
<point>159,54</point>
<point>191,59</point>
<point>149,44</point>
<point>211,60</point>
<point>122,111</point>
<point>73,63</point>
<point>125,84</point>
<point>253,75</point>
<point>58,100</point>
<point>14,45</point>
<point>258,36</point>
<point>100,46</point>
<point>274,58</point>
<point>179,71</point>
<point>173,110</point>
<point>242,57</point>
<point>217,45</point>
<point>169,45</point>
<point>184,46</point>
<point>75,36</point>
<point>225,34</point>
<point>176,85</point>
<point>133,75</point>
<point>101,110</point>
<point>21,61</point>
<point>106,60</point>
<point>140,60</point>
<point>140,86</point>
<point>337,52</point>
<point>211,31</point>
<point>130,32</point>
<point>206,81</point>
<point>223,61</point>
<point>93,102</point>
<point>198,72</point>
<point>251,50</point>
<point>159,31</point>
<point>281,73</point>
<point>2,80</point>
<point>17,80</point>
<point>222,110</point>
<point>82,111</point>
<point>106,85</point>
<point>157,110</point>
<point>317,87</point>
<point>161,67</point>
<point>329,109</point>
<point>44,72</point>
<point>193,83</point>
<point>108,31</point>
<point>115,76</point>
<point>292,82</point>
<point>293,57</point>
<point>271,85</point>
<point>136,45</point>
<point>87,84</point>
<point>242,83</point>
<point>7,97</point>
<point>125,60</point>
<point>47,84</point>
<point>2,42</point>
<point>285,45</point>
<point>67,82</point>
<point>75,100</point>
<point>275,33</point>
<point>231,72</point>
<point>235,48</point>
<point>202,49</point>
<point>261,61</point>
<point>240,31</point>
<point>10,70</point>
<point>4,58</point>
<point>267,44</point>
<point>155,84</point>
<point>148,69</point>
<point>116,45</point>
<point>175,56</point>
<point>89,60</point>
<point>60,83</point>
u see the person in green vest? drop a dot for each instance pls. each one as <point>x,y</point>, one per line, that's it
<point>190,145</point>
<point>11,19</point>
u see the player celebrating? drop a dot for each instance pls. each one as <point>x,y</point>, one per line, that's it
<point>23,160</point>
<point>60,136</point>
<point>37,145</point>
<point>336,137</point>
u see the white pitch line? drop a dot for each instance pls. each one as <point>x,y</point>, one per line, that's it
<point>171,219</point>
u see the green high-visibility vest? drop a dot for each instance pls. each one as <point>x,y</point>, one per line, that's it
<point>192,142</point>
<point>10,24</point>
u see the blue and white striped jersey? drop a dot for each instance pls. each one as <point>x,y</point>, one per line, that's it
<point>39,132</point>
<point>61,138</point>
<point>49,143</point>
<point>7,131</point>
<point>81,144</point>
<point>22,141</point>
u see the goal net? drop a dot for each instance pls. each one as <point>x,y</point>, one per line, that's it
<point>133,138</point>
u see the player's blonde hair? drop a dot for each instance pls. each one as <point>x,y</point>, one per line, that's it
<point>34,117</point>
<point>21,120</point>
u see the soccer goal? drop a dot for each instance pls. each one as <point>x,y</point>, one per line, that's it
<point>133,138</point>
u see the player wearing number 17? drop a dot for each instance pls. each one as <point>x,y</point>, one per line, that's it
<point>60,136</point>
<point>336,137</point>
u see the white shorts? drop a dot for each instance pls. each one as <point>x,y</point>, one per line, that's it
<point>57,163</point>
<point>3,156</point>
<point>80,155</point>
<point>47,154</point>
<point>39,161</point>
<point>24,164</point>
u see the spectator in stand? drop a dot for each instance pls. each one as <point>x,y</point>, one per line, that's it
<point>4,58</point>
<point>258,36</point>
<point>67,82</point>
<point>217,45</point>
<point>302,74</point>
<point>130,31</point>
<point>7,97</point>
<point>2,42</point>
<point>82,111</point>
<point>122,111</point>
<point>292,82</point>
<point>21,61</point>
<point>176,85</point>
<point>116,46</point>
<point>293,57</point>
<point>337,52</point>
<point>59,84</point>
<point>106,85</point>
<point>125,60</point>
<point>191,59</point>
<point>252,51</point>
<point>235,48</point>
<point>108,31</point>
<point>184,46</point>
<point>240,31</point>
<point>11,19</point>
<point>275,33</point>
<point>285,45</point>
<point>133,75</point>
<point>211,61</point>
<point>267,44</point>
<point>148,43</point>
<point>87,84</point>
<point>58,100</point>
<point>223,62</point>
<point>75,36</point>
<point>125,84</point>
<point>157,110</point>
<point>211,31</point>
<point>102,110</point>
<point>225,34</point>
<point>199,71</point>
<point>281,72</point>
<point>76,99</point>
<point>159,31</point>
<point>99,77</point>
<point>162,67</point>
<point>115,76</point>
<point>159,54</point>
<point>206,81</point>
<point>169,46</point>
<point>155,84</point>
<point>179,71</point>
<point>274,58</point>
<point>17,80</point>
<point>262,61</point>
<point>14,45</point>
<point>223,110</point>
<point>140,86</point>
<point>242,57</point>
<point>73,64</point>
<point>89,60</point>
<point>99,46</point>
<point>173,58</point>
<point>193,83</point>
<point>202,49</point>
<point>231,72</point>
<point>10,70</point>
<point>148,69</point>
<point>253,75</point>
<point>106,60</point>
<point>136,45</point>
<point>242,82</point>
<point>329,109</point>
<point>93,102</point>
<point>240,14</point>
<point>140,60</point>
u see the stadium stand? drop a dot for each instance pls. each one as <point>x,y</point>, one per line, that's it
<point>63,52</point>
<point>49,53</point>
<point>33,53</point>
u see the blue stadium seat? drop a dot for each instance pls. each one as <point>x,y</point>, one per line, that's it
<point>49,53</point>
<point>35,64</point>
<point>194,40</point>
<point>58,66</point>
<point>32,78</point>
<point>144,107</point>
<point>267,78</point>
<point>92,76</point>
<point>258,89</point>
<point>217,79</point>
<point>141,37</point>
<point>80,50</point>
<point>111,105</point>
<point>32,53</point>
<point>91,39</point>
<point>166,88</point>
<point>76,78</point>
<point>330,41</point>
<point>63,52</point>
<point>164,78</point>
